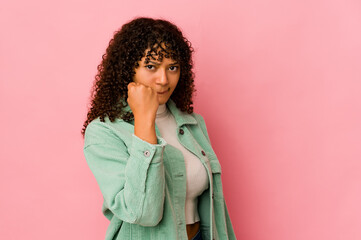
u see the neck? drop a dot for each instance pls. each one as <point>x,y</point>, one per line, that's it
<point>162,111</point>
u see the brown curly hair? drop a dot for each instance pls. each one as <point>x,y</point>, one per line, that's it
<point>117,68</point>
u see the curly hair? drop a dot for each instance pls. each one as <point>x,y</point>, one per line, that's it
<point>117,68</point>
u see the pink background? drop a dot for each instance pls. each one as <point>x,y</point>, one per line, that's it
<point>283,78</point>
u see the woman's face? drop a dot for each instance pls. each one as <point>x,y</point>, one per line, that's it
<point>162,77</point>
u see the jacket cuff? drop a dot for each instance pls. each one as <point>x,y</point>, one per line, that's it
<point>150,153</point>
<point>143,155</point>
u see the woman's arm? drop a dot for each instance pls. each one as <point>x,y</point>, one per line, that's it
<point>131,179</point>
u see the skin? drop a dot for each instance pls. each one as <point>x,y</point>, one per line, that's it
<point>144,95</point>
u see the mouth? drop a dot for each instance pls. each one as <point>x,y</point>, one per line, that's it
<point>163,92</point>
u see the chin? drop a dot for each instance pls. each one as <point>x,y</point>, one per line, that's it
<point>162,101</point>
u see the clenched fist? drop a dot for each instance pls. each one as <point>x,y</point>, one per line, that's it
<point>143,101</point>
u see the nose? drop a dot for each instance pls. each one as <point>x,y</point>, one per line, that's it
<point>163,78</point>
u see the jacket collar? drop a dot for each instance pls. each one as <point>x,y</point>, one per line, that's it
<point>180,117</point>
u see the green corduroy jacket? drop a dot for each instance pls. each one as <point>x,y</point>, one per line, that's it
<point>144,184</point>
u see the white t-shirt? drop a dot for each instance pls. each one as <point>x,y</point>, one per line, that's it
<point>197,179</point>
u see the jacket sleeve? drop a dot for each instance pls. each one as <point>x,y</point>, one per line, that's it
<point>131,179</point>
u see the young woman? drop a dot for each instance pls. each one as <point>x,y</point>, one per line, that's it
<point>149,152</point>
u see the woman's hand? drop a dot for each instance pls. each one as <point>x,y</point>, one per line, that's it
<point>143,101</point>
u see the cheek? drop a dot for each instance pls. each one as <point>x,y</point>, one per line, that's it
<point>176,80</point>
<point>174,77</point>
<point>142,77</point>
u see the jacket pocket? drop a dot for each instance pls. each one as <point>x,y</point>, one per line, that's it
<point>216,167</point>
<point>213,161</point>
<point>216,175</point>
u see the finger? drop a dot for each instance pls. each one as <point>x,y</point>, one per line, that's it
<point>132,84</point>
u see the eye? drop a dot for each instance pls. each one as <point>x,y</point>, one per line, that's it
<point>174,68</point>
<point>150,67</point>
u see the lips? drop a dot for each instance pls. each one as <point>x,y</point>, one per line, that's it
<point>163,92</point>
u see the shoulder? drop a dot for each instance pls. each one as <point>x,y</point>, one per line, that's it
<point>98,131</point>
<point>199,118</point>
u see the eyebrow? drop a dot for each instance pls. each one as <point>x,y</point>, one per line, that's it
<point>174,63</point>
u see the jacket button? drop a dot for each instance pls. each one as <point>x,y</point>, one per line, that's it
<point>146,153</point>
<point>203,153</point>
<point>181,131</point>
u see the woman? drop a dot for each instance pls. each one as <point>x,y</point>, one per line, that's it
<point>149,152</point>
